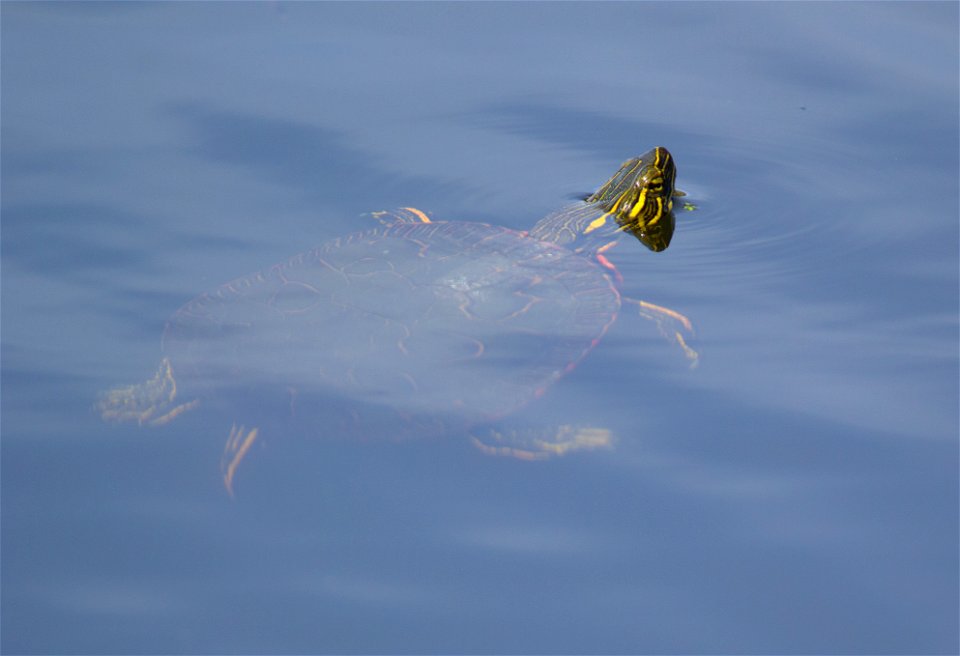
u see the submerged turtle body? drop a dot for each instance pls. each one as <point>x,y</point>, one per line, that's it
<point>423,318</point>
<point>412,327</point>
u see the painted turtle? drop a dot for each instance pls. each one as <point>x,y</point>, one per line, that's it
<point>414,327</point>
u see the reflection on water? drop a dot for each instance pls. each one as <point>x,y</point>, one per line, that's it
<point>796,492</point>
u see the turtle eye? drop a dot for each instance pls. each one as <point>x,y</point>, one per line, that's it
<point>655,185</point>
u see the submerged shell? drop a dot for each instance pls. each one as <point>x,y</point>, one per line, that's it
<point>431,320</point>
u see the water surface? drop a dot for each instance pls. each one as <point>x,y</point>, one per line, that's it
<point>795,492</point>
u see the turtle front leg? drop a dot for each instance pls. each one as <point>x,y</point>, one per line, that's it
<point>401,215</point>
<point>671,325</point>
<point>238,444</point>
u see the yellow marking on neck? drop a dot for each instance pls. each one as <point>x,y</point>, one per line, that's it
<point>420,215</point>
<point>596,223</point>
<point>639,206</point>
<point>616,205</point>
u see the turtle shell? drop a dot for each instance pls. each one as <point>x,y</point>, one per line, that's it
<point>431,322</point>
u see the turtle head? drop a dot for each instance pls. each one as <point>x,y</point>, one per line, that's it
<point>639,197</point>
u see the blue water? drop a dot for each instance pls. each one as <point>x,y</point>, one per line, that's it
<point>797,492</point>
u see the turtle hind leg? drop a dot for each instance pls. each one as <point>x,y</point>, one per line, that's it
<point>152,402</point>
<point>238,444</point>
<point>537,444</point>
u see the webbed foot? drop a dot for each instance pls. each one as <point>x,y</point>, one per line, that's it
<point>151,402</point>
<point>238,444</point>
<point>537,444</point>
<point>401,215</point>
<point>672,325</point>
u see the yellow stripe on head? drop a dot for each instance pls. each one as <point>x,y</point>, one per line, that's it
<point>656,217</point>
<point>638,207</point>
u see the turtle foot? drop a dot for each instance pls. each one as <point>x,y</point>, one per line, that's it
<point>151,402</point>
<point>238,444</point>
<point>401,215</point>
<point>531,444</point>
<point>675,327</point>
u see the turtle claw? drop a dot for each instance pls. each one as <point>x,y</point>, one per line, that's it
<point>238,443</point>
<point>531,444</point>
